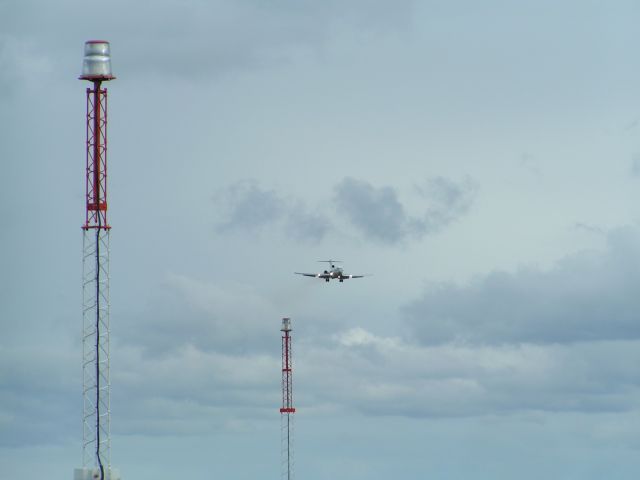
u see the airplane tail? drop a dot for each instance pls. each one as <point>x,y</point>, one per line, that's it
<point>331,262</point>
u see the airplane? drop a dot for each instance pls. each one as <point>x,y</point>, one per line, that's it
<point>333,272</point>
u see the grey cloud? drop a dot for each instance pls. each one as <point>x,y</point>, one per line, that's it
<point>587,296</point>
<point>249,207</point>
<point>38,395</point>
<point>191,391</point>
<point>225,36</point>
<point>228,36</point>
<point>187,312</point>
<point>529,163</point>
<point>460,380</point>
<point>198,350</point>
<point>199,357</point>
<point>305,225</point>
<point>593,229</point>
<point>448,201</point>
<point>378,213</point>
<point>200,40</point>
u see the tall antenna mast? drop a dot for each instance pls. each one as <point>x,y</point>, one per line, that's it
<point>287,410</point>
<point>96,439</point>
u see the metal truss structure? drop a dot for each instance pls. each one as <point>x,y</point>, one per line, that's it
<point>287,410</point>
<point>96,438</point>
<point>96,442</point>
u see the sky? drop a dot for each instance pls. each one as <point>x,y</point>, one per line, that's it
<point>481,160</point>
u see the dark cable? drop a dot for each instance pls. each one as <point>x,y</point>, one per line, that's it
<point>98,348</point>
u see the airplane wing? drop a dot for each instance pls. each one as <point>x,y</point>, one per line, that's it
<point>314,275</point>
<point>346,277</point>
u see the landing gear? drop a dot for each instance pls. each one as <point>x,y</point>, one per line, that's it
<point>341,280</point>
<point>326,280</point>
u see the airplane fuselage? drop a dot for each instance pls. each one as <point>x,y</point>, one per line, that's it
<point>335,272</point>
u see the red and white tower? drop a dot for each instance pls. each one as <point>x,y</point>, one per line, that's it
<point>96,441</point>
<point>287,410</point>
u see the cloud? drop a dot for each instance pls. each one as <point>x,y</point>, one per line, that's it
<point>448,201</point>
<point>250,208</point>
<point>529,163</point>
<point>304,225</point>
<point>202,359</point>
<point>592,229</point>
<point>379,375</point>
<point>199,40</point>
<point>378,213</point>
<point>375,212</point>
<point>224,317</point>
<point>586,296</point>
<point>39,393</point>
<point>199,359</point>
<point>205,39</point>
<point>192,391</point>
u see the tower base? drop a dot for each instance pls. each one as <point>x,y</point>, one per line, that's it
<point>94,474</point>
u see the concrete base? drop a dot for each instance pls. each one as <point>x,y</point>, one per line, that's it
<point>94,474</point>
